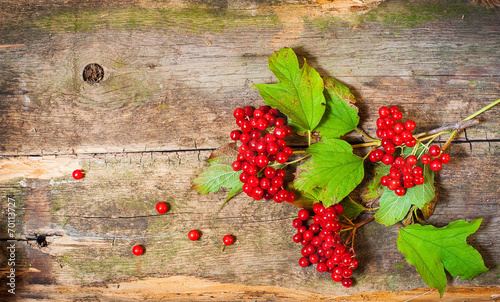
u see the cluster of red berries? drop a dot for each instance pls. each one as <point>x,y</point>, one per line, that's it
<point>404,173</point>
<point>262,142</point>
<point>322,245</point>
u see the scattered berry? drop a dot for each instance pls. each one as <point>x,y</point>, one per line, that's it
<point>137,250</point>
<point>161,207</point>
<point>228,239</point>
<point>77,174</point>
<point>193,235</point>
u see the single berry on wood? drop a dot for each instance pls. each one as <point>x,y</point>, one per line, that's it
<point>228,239</point>
<point>77,174</point>
<point>137,250</point>
<point>193,235</point>
<point>161,207</point>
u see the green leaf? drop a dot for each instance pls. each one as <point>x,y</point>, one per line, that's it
<point>430,249</point>
<point>341,116</point>
<point>375,189</point>
<point>220,174</point>
<point>332,172</point>
<point>394,208</point>
<point>352,209</point>
<point>299,94</point>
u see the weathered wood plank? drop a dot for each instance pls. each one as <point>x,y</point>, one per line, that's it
<point>154,75</point>
<point>90,226</point>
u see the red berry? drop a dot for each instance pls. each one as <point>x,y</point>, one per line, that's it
<point>280,132</point>
<point>445,158</point>
<point>247,111</point>
<point>436,165</point>
<point>322,268</point>
<point>272,148</point>
<point>304,262</point>
<point>269,172</point>
<point>394,109</point>
<point>277,182</point>
<point>347,273</point>
<point>235,135</point>
<point>388,159</point>
<point>258,113</point>
<point>434,150</point>
<point>412,142</point>
<point>389,148</point>
<point>400,191</point>
<point>193,235</point>
<point>399,127</point>
<point>257,193</point>
<point>291,197</point>
<point>303,214</point>
<point>297,223</point>
<point>399,162</point>
<point>338,209</point>
<point>411,160</point>
<point>281,157</point>
<point>137,250</point>
<point>346,282</point>
<point>161,207</point>
<point>410,125</point>
<point>319,208</point>
<point>406,135</point>
<point>385,180</point>
<point>279,122</point>
<point>297,238</point>
<point>228,239</point>
<point>384,111</point>
<point>425,159</point>
<point>77,174</point>
<point>239,113</point>
<point>236,165</point>
<point>417,171</point>
<point>389,122</point>
<point>397,116</point>
<point>262,161</point>
<point>337,278</point>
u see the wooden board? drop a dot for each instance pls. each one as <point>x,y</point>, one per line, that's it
<point>173,73</point>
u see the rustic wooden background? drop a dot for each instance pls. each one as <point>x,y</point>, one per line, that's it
<point>174,72</point>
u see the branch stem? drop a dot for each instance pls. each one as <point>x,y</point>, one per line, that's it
<point>365,134</point>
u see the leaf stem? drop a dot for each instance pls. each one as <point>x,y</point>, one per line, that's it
<point>375,143</point>
<point>299,151</point>
<point>357,225</point>
<point>297,160</point>
<point>309,138</point>
<point>368,154</point>
<point>364,134</point>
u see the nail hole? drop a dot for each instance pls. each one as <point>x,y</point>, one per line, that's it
<point>93,73</point>
<point>41,240</point>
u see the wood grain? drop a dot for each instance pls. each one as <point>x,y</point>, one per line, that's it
<point>173,73</point>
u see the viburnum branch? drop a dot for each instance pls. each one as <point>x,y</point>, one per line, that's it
<point>357,225</point>
<point>442,130</point>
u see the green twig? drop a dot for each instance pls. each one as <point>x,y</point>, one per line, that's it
<point>297,160</point>
<point>481,110</point>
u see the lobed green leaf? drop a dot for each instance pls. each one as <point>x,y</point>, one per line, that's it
<point>299,94</point>
<point>332,172</point>
<point>341,116</point>
<point>432,249</point>
<point>219,174</point>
